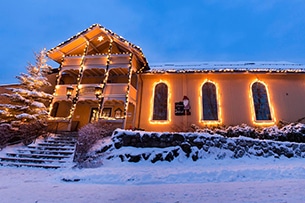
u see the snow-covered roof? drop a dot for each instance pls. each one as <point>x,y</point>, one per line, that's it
<point>239,66</point>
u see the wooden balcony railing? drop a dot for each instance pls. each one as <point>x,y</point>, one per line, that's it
<point>87,91</point>
<point>96,61</point>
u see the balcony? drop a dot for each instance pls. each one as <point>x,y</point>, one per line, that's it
<point>96,61</point>
<point>113,91</point>
<point>119,60</point>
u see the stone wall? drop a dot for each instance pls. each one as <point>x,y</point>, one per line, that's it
<point>196,146</point>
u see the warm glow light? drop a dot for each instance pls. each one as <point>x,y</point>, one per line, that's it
<point>151,121</point>
<point>261,122</point>
<point>219,111</point>
<point>98,91</point>
<point>128,87</point>
<point>69,91</point>
<point>100,38</point>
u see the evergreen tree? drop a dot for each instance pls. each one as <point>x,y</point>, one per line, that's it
<point>28,100</point>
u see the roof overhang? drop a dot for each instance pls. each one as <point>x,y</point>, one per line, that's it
<point>98,39</point>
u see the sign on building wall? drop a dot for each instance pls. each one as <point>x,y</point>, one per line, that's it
<point>179,108</point>
<point>183,107</point>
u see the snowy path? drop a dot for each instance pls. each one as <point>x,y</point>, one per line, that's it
<point>267,191</point>
<point>243,180</point>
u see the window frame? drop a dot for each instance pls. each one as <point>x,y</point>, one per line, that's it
<point>218,106</point>
<point>255,119</point>
<point>168,114</point>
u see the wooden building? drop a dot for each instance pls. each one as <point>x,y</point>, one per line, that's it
<point>97,79</point>
<point>103,76</point>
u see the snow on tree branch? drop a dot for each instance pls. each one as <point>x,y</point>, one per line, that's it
<point>27,102</point>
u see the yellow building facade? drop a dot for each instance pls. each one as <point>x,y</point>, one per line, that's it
<point>103,76</point>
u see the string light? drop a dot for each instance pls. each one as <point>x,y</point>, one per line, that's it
<point>103,85</point>
<point>107,32</point>
<point>80,75</point>
<point>253,115</point>
<point>58,76</point>
<point>168,121</point>
<point>200,109</point>
<point>128,87</point>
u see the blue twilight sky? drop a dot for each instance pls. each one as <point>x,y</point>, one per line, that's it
<point>166,30</point>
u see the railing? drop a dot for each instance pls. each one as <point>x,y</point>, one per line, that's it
<point>87,91</point>
<point>61,91</point>
<point>96,61</point>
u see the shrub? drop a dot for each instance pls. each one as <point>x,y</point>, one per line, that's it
<point>30,131</point>
<point>88,136</point>
<point>25,133</point>
<point>293,132</point>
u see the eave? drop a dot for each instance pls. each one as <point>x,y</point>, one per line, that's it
<point>75,45</point>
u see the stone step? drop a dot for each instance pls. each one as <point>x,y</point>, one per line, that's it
<point>52,152</point>
<point>60,142</point>
<point>31,165</point>
<point>55,144</point>
<point>68,135</point>
<point>46,151</point>
<point>63,140</point>
<point>29,160</point>
<point>52,148</point>
<point>42,156</point>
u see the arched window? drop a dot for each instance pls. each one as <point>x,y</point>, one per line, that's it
<point>160,102</point>
<point>261,102</point>
<point>209,102</point>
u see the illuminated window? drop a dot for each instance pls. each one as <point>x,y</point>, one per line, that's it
<point>118,113</point>
<point>209,102</point>
<point>261,102</point>
<point>160,102</point>
<point>106,112</point>
<point>93,115</point>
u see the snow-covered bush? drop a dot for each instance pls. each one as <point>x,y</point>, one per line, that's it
<point>88,136</point>
<point>293,132</point>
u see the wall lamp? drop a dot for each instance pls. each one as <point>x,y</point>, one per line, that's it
<point>69,92</point>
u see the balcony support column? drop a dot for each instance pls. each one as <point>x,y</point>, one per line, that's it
<point>128,90</point>
<point>58,76</point>
<point>80,75</point>
<point>104,82</point>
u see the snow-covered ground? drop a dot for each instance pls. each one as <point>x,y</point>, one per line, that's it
<point>207,180</point>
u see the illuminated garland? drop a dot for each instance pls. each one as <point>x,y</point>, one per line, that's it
<point>80,75</point>
<point>113,35</point>
<point>101,103</point>
<point>169,98</point>
<point>200,104</point>
<point>224,70</point>
<point>253,115</point>
<point>58,76</point>
<point>128,87</point>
